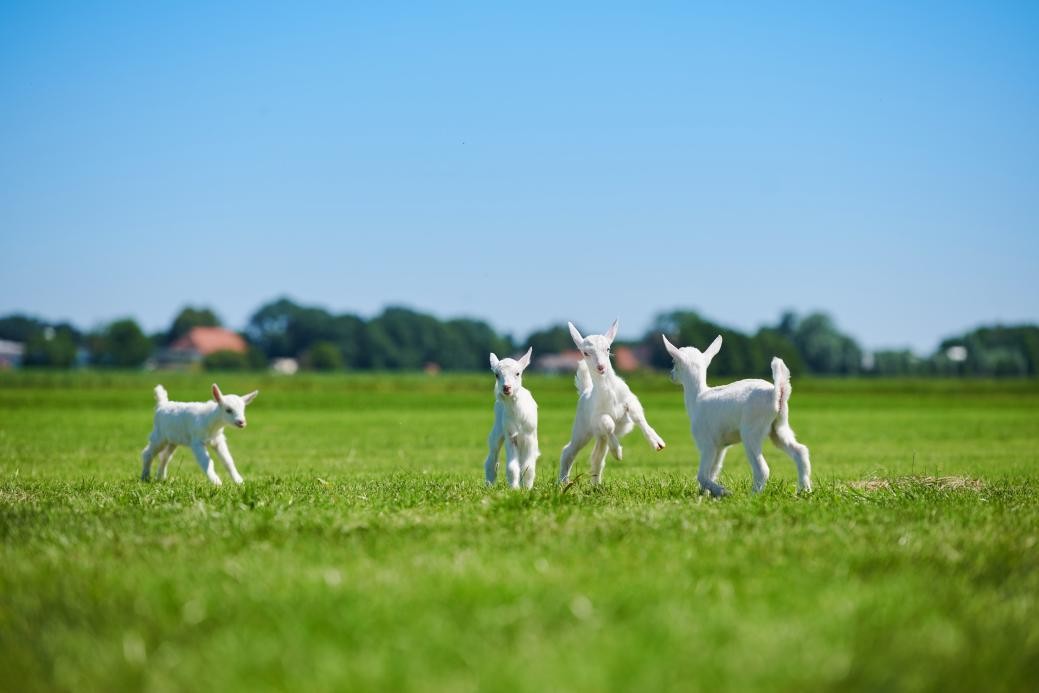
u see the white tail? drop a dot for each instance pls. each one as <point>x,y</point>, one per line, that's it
<point>782,435</point>
<point>781,379</point>
<point>583,378</point>
<point>160,395</point>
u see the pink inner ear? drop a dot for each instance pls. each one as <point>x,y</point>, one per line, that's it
<point>216,393</point>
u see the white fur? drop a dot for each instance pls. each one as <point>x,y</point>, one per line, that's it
<point>196,425</point>
<point>606,407</point>
<point>515,424</point>
<point>747,410</point>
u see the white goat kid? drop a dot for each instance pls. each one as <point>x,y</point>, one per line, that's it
<point>515,424</point>
<point>195,425</point>
<point>747,410</point>
<point>607,409</point>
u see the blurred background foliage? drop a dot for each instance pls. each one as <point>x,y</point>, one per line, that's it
<point>402,339</point>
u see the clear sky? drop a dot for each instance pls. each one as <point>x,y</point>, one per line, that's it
<point>524,163</point>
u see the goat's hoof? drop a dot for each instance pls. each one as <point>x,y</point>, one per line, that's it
<point>660,445</point>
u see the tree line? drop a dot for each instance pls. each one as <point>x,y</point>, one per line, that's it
<point>401,339</point>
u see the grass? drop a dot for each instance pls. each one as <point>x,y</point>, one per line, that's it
<point>363,552</point>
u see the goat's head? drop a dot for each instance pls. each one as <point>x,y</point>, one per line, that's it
<point>232,407</point>
<point>691,363</point>
<point>509,374</point>
<point>595,348</point>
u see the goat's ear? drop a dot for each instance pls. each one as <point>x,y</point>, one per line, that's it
<point>250,397</point>
<point>713,350</point>
<point>494,362</point>
<point>524,360</point>
<point>575,335</point>
<point>217,395</point>
<point>611,334</point>
<point>671,348</point>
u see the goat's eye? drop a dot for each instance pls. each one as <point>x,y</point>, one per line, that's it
<point>229,410</point>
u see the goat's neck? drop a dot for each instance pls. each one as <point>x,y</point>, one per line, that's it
<point>695,386</point>
<point>213,420</point>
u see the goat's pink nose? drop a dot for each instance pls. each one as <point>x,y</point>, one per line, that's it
<point>506,389</point>
<point>602,369</point>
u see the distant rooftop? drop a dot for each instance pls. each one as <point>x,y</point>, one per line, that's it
<point>209,340</point>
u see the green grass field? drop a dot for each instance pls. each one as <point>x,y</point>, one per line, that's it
<point>364,552</point>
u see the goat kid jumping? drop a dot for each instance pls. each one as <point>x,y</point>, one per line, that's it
<point>515,424</point>
<point>747,410</point>
<point>196,425</point>
<point>607,409</point>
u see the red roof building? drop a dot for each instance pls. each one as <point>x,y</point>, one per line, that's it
<point>187,352</point>
<point>209,340</point>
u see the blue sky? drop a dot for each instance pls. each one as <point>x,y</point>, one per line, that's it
<point>524,163</point>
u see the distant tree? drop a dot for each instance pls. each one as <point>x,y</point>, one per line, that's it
<point>322,356</point>
<point>269,328</point>
<point>771,342</point>
<point>739,355</point>
<point>256,359</point>
<point>551,340</point>
<point>188,318</point>
<point>896,363</point>
<point>226,360</point>
<point>993,350</point>
<point>283,328</point>
<point>404,339</point>
<point>121,344</point>
<point>51,348</point>
<point>825,350</point>
<point>20,328</point>
<point>468,344</point>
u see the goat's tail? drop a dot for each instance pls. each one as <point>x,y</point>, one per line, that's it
<point>781,379</point>
<point>160,395</point>
<point>583,379</point>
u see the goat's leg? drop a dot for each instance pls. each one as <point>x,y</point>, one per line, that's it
<point>164,460</point>
<point>528,464</point>
<point>153,448</point>
<point>709,454</point>
<point>752,443</point>
<point>607,430</point>
<point>205,462</point>
<point>634,407</point>
<point>716,468</point>
<point>784,439</point>
<point>494,443</point>
<point>598,459</point>
<point>578,440</point>
<point>220,445</point>
<point>512,465</point>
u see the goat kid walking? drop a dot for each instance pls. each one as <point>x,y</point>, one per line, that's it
<point>515,424</point>
<point>747,410</point>
<point>607,409</point>
<point>196,425</point>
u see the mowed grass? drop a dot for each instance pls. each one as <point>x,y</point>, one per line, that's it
<point>364,552</point>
